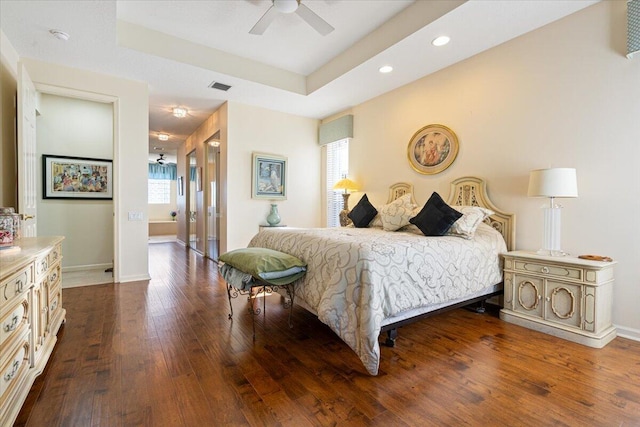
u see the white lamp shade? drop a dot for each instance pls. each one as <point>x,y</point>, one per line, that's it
<point>553,182</point>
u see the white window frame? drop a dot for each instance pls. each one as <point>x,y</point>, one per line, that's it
<point>335,169</point>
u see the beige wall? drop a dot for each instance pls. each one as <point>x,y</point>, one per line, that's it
<point>254,129</point>
<point>77,128</point>
<point>562,96</point>
<point>244,130</point>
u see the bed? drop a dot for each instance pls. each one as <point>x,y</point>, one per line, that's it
<point>365,281</point>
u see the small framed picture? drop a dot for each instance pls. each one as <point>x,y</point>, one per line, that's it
<point>269,179</point>
<point>66,177</point>
<point>432,149</point>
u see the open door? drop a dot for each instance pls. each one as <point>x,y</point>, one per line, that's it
<point>26,153</point>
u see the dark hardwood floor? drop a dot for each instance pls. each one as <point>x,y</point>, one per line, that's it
<point>163,353</point>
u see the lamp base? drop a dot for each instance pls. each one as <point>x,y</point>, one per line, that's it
<point>344,218</point>
<point>552,252</point>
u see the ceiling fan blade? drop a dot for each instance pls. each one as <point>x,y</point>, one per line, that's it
<point>264,22</point>
<point>318,24</point>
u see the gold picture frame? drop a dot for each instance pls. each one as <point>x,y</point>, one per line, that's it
<point>432,149</point>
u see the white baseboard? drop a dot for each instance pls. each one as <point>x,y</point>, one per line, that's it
<point>630,333</point>
<point>134,278</point>
<point>87,267</point>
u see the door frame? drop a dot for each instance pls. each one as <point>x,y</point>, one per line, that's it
<point>114,101</point>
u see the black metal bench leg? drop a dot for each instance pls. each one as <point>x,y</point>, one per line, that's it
<point>229,287</point>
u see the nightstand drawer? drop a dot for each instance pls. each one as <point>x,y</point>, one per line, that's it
<point>549,270</point>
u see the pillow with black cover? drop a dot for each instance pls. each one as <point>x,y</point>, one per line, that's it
<point>436,217</point>
<point>362,213</point>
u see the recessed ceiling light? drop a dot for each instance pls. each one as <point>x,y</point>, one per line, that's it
<point>440,41</point>
<point>180,112</point>
<point>60,35</point>
<point>163,137</point>
<point>386,69</point>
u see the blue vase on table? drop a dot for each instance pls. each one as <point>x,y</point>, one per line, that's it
<point>274,217</point>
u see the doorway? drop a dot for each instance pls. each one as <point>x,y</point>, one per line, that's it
<point>191,201</point>
<point>213,196</point>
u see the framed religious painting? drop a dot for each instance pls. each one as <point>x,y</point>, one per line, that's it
<point>432,149</point>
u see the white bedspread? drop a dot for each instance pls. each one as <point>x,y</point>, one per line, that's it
<point>356,277</point>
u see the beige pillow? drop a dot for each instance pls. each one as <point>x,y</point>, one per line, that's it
<point>396,214</point>
<point>472,216</point>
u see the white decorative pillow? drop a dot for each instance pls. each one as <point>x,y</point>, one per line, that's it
<point>376,222</point>
<point>472,216</point>
<point>396,214</point>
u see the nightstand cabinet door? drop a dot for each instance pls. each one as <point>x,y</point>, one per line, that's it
<point>563,303</point>
<point>528,292</point>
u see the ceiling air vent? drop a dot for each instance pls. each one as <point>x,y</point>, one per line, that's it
<point>219,86</point>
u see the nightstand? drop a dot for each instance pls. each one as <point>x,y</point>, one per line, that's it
<point>263,226</point>
<point>567,297</point>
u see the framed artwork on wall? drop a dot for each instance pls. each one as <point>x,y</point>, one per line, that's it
<point>66,177</point>
<point>269,179</point>
<point>432,149</point>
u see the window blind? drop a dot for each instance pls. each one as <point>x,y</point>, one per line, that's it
<point>337,168</point>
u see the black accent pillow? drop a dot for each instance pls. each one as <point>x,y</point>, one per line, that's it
<point>436,217</point>
<point>362,213</point>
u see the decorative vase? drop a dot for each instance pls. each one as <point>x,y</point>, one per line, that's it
<point>273,218</point>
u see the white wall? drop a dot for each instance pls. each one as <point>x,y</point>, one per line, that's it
<point>253,129</point>
<point>131,151</point>
<point>77,128</point>
<point>563,96</point>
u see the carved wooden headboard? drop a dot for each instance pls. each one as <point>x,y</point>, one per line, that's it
<point>469,191</point>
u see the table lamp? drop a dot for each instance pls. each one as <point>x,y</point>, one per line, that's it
<point>552,183</point>
<point>346,185</point>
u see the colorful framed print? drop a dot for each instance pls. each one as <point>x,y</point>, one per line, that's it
<point>76,178</point>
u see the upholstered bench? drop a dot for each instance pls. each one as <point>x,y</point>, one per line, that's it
<point>255,271</point>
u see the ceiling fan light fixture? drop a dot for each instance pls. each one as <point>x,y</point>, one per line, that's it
<point>163,137</point>
<point>180,112</point>
<point>286,6</point>
<point>440,41</point>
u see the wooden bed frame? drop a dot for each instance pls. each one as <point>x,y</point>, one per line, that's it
<point>465,191</point>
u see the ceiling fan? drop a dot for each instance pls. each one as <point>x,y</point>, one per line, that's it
<point>290,6</point>
<point>161,159</point>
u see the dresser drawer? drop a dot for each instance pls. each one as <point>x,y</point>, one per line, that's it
<point>549,270</point>
<point>14,321</point>
<point>13,368</point>
<point>42,265</point>
<point>55,275</point>
<point>16,286</point>
<point>55,254</point>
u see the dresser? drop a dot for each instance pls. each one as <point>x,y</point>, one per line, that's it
<point>567,297</point>
<point>30,315</point>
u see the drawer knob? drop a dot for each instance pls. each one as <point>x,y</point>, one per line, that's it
<point>9,375</point>
<point>13,325</point>
<point>545,270</point>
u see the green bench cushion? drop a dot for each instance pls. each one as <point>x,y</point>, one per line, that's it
<point>272,266</point>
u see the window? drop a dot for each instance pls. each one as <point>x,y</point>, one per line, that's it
<point>337,168</point>
<point>159,191</point>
